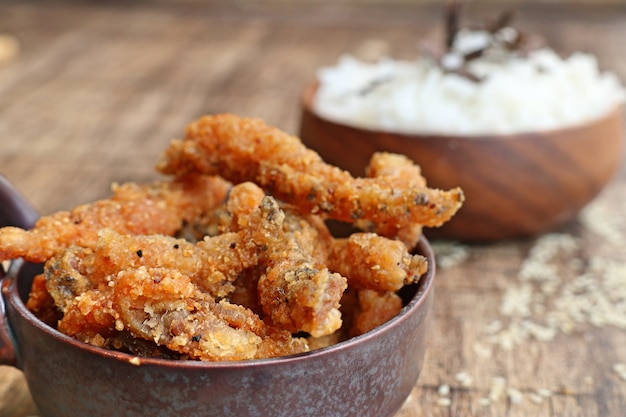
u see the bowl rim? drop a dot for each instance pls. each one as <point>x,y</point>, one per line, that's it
<point>424,288</point>
<point>618,110</point>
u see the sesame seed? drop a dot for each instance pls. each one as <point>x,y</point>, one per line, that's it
<point>620,370</point>
<point>450,254</point>
<point>497,389</point>
<point>515,396</point>
<point>599,219</point>
<point>556,292</point>
<point>464,378</point>
<point>484,402</point>
<point>544,392</point>
<point>444,390</point>
<point>444,402</point>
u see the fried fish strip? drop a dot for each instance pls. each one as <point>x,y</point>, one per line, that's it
<point>298,296</point>
<point>40,303</point>
<point>374,308</point>
<point>395,170</point>
<point>213,263</point>
<point>69,274</point>
<point>159,208</point>
<point>294,290</point>
<point>91,317</point>
<point>401,172</point>
<point>246,149</point>
<point>297,292</point>
<point>291,287</point>
<point>374,262</point>
<point>164,306</point>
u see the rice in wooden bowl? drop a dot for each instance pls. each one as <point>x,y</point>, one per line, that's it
<point>530,137</point>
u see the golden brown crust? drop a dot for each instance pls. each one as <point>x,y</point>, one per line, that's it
<point>246,149</point>
<point>159,208</point>
<point>374,262</point>
<point>195,268</point>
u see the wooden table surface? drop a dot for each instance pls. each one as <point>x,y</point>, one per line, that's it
<point>97,90</point>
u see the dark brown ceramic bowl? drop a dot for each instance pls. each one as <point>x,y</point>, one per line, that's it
<point>515,185</point>
<point>370,375</point>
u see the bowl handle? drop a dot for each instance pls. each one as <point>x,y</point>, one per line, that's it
<point>7,345</point>
<point>15,210</point>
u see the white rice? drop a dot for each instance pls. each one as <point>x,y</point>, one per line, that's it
<point>516,93</point>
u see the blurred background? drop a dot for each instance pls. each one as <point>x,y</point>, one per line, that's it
<point>91,92</point>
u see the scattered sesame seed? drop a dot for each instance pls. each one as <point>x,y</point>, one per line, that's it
<point>544,392</point>
<point>556,292</point>
<point>620,370</point>
<point>450,254</point>
<point>497,389</point>
<point>494,327</point>
<point>444,402</point>
<point>464,378</point>
<point>515,396</point>
<point>444,390</point>
<point>600,219</point>
<point>482,351</point>
<point>484,401</point>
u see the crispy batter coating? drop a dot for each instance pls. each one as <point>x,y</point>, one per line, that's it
<point>298,296</point>
<point>296,292</point>
<point>196,268</point>
<point>91,317</point>
<point>246,149</point>
<point>213,263</point>
<point>164,305</point>
<point>41,303</point>
<point>395,169</point>
<point>401,172</point>
<point>293,292</point>
<point>159,208</point>
<point>68,276</point>
<point>374,308</point>
<point>374,262</point>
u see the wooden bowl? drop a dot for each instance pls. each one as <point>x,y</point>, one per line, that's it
<point>515,185</point>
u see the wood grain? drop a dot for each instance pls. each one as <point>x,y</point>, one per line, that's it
<point>98,89</point>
